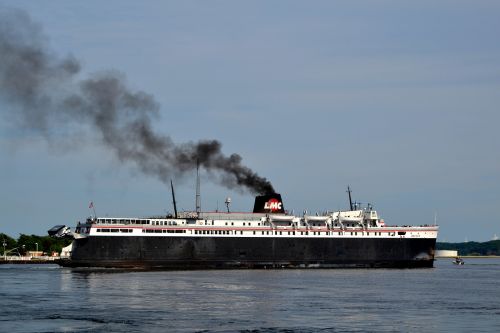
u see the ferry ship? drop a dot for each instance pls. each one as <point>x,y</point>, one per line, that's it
<point>268,237</point>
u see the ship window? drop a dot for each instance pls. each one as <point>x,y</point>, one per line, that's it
<point>262,232</point>
<point>294,232</point>
<point>401,233</point>
<point>281,233</point>
<point>98,230</point>
<point>356,233</point>
<point>249,224</point>
<point>351,233</point>
<point>226,223</point>
<point>104,230</point>
<point>243,223</point>
<point>268,232</point>
<point>232,223</point>
<point>241,232</point>
<point>258,223</point>
<point>254,232</point>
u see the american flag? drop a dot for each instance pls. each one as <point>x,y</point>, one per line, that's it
<point>91,204</point>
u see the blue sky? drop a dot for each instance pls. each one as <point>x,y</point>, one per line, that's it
<point>398,99</point>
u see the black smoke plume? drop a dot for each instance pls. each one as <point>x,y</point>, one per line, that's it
<point>46,94</point>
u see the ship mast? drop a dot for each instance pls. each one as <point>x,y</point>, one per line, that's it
<point>350,199</point>
<point>198,198</point>
<point>173,198</point>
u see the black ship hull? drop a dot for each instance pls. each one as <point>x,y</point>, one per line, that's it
<point>250,252</point>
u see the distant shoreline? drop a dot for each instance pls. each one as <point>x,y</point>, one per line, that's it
<point>470,257</point>
<point>488,257</point>
<point>27,262</point>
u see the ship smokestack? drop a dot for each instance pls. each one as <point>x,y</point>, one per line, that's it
<point>269,203</point>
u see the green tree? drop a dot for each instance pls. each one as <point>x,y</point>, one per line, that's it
<point>10,243</point>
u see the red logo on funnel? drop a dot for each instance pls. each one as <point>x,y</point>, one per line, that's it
<point>273,205</point>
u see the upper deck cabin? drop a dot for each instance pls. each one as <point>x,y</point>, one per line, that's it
<point>330,220</point>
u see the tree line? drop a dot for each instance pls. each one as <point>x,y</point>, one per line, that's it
<point>491,248</point>
<point>25,243</point>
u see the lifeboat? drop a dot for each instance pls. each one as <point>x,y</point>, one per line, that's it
<point>281,218</point>
<point>351,219</point>
<point>316,218</point>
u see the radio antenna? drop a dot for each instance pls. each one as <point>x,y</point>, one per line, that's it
<point>91,206</point>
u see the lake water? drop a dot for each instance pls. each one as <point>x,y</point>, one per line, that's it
<point>447,298</point>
